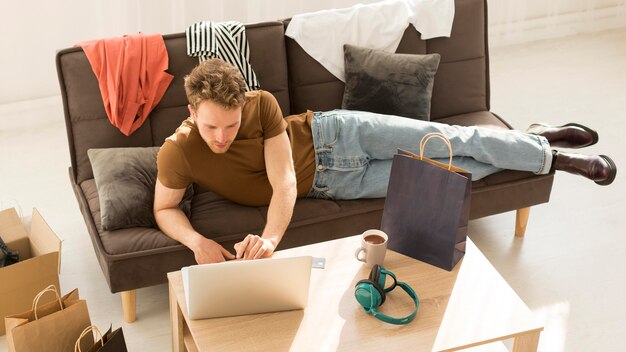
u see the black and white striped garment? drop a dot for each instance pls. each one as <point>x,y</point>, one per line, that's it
<point>223,40</point>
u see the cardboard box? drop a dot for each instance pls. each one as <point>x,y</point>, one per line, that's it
<point>39,263</point>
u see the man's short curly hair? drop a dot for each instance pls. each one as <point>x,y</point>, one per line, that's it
<point>217,81</point>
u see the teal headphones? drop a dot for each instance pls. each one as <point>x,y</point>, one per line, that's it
<point>370,293</point>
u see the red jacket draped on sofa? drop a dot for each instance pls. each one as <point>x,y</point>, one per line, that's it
<point>130,71</point>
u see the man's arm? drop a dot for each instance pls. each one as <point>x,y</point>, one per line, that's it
<point>282,177</point>
<point>173,222</point>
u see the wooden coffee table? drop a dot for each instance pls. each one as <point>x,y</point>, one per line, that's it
<point>471,308</point>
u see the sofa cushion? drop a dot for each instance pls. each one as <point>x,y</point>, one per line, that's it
<point>125,178</point>
<point>478,118</point>
<point>212,216</point>
<point>388,83</point>
<point>125,241</point>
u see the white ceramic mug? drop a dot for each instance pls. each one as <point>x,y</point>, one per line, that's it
<point>373,247</point>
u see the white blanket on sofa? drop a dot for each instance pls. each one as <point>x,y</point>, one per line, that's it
<point>322,34</point>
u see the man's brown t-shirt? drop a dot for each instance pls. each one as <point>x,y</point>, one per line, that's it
<point>239,174</point>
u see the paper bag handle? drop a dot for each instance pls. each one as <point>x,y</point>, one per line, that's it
<point>50,288</point>
<point>84,333</point>
<point>427,137</point>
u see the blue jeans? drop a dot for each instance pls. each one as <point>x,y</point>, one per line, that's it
<point>354,151</point>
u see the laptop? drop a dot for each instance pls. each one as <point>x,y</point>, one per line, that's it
<point>246,286</point>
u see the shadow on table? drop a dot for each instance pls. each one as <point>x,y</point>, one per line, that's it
<point>364,332</point>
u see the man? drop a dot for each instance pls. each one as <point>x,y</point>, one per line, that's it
<point>238,145</point>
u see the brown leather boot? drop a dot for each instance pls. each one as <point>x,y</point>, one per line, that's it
<point>570,135</point>
<point>599,168</point>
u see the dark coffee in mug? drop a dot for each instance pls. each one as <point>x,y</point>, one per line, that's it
<point>374,239</point>
<point>373,248</point>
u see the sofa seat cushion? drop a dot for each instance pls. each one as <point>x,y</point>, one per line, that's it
<point>220,220</point>
<point>478,118</point>
<point>213,216</point>
<point>134,241</point>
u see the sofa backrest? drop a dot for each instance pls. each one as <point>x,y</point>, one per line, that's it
<point>461,83</point>
<point>86,120</point>
<point>297,81</point>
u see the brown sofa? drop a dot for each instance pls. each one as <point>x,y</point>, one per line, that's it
<point>140,257</point>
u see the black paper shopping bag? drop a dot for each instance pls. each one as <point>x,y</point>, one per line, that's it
<point>427,207</point>
<point>111,341</point>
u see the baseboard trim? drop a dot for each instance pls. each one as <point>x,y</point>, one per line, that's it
<point>34,113</point>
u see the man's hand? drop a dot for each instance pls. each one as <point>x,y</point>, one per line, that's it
<point>208,251</point>
<point>254,247</point>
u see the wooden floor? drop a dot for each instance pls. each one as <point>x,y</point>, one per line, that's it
<point>568,268</point>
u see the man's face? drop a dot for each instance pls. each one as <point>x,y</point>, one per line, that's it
<point>218,126</point>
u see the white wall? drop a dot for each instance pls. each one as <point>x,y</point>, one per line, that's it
<point>32,31</point>
<point>517,21</point>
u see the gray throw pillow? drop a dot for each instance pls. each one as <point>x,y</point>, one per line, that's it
<point>388,83</point>
<point>125,179</point>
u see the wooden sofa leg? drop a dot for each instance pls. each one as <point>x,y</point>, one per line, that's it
<point>129,305</point>
<point>521,221</point>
